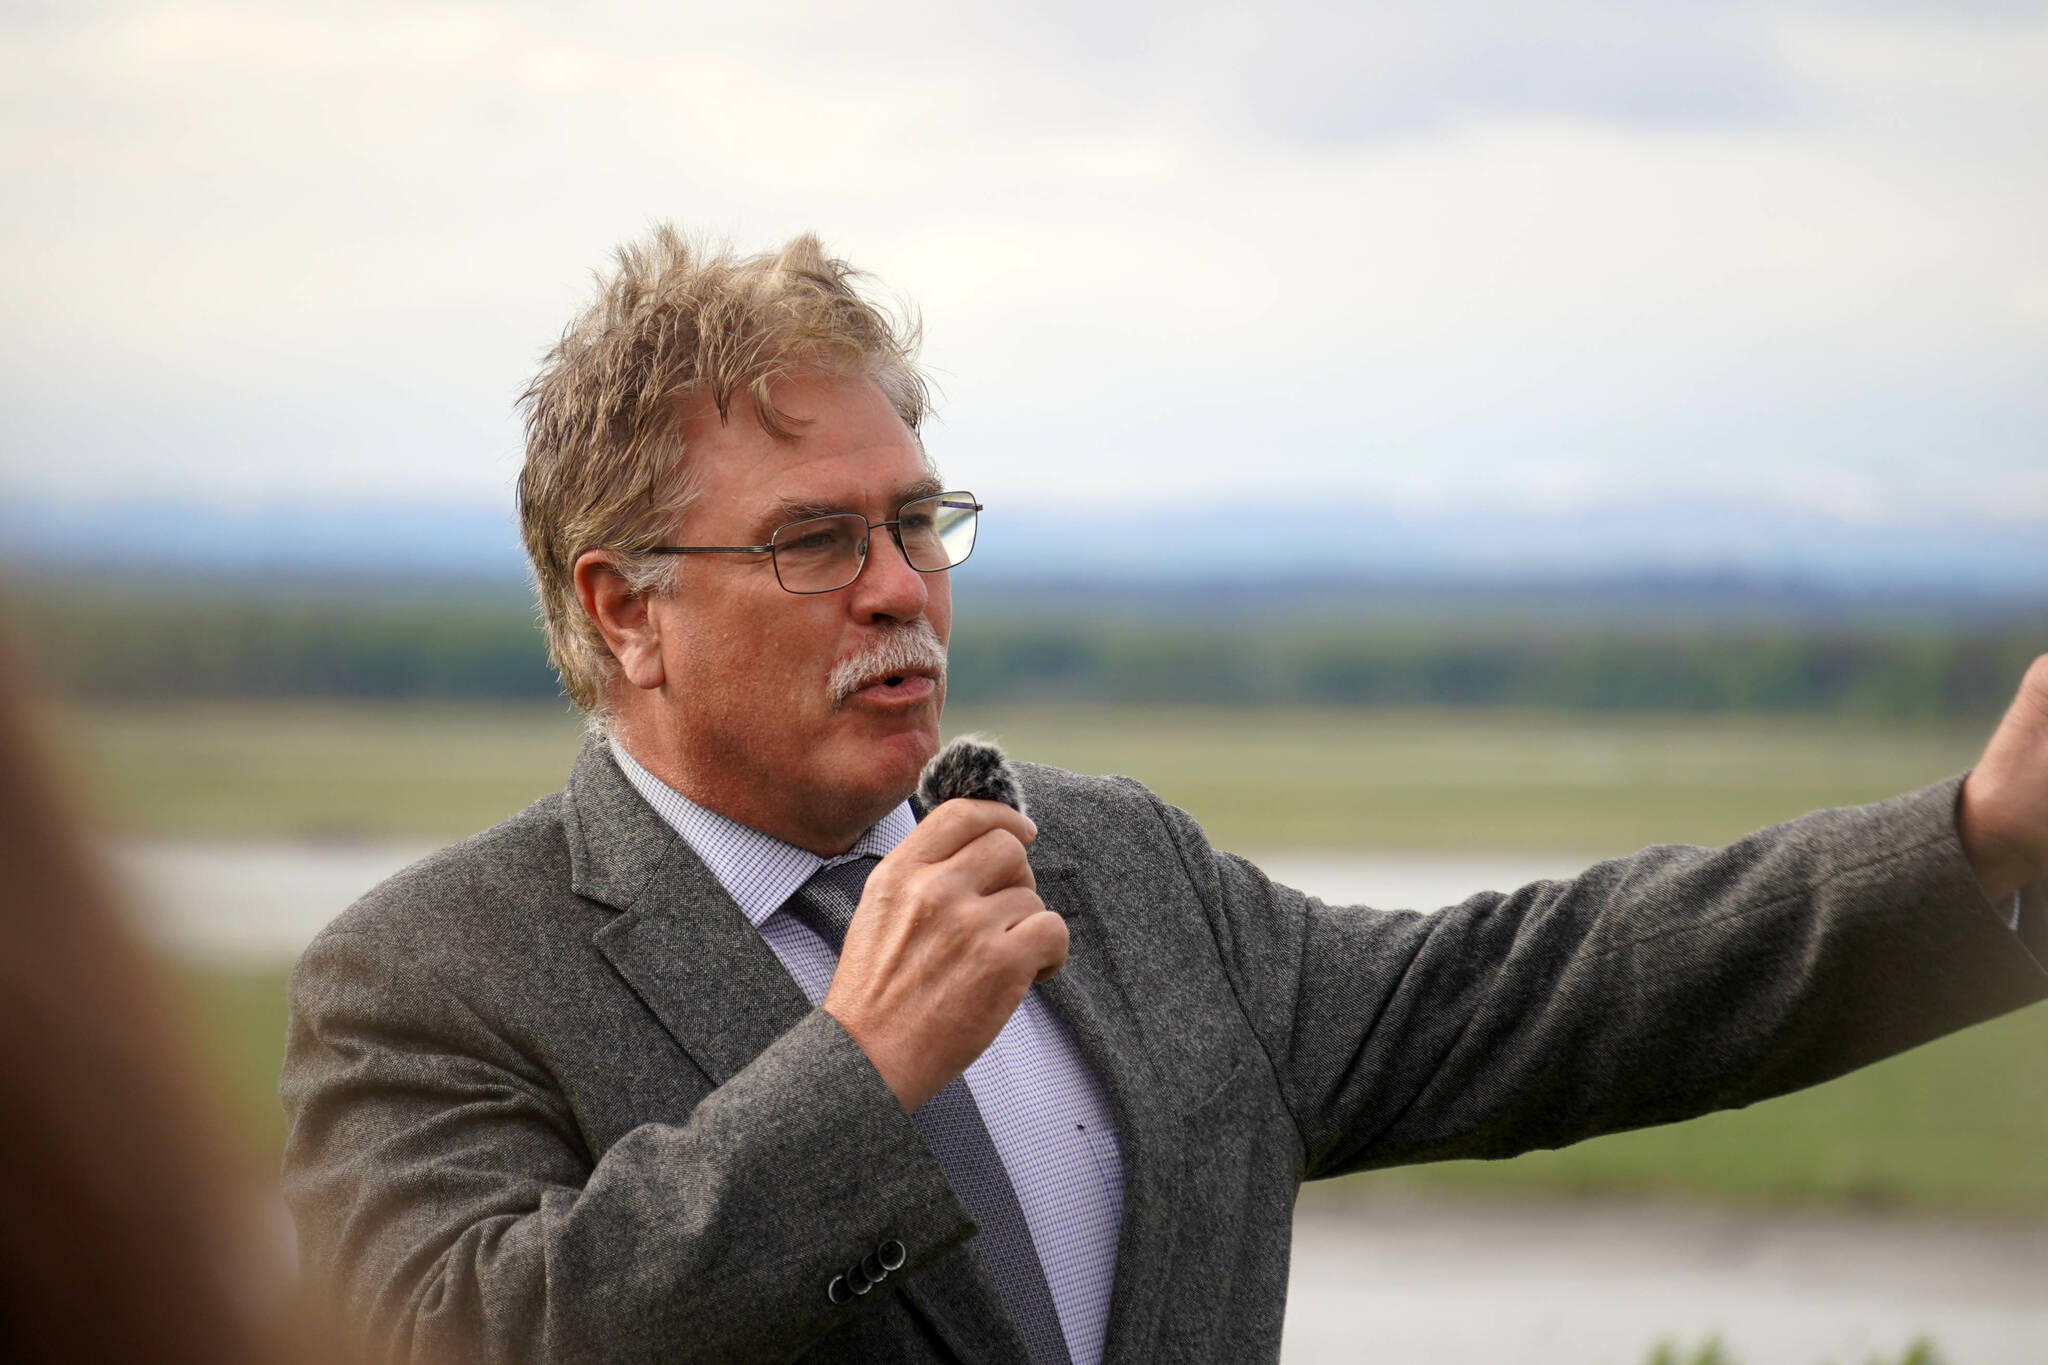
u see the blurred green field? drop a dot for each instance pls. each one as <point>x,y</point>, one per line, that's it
<point>1260,779</point>
<point>1958,1126</point>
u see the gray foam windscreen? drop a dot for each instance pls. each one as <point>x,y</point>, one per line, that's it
<point>972,767</point>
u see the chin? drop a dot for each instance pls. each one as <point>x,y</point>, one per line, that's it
<point>902,758</point>
<point>872,783</point>
<point>879,761</point>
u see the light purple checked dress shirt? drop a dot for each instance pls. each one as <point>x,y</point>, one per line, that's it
<point>1046,1111</point>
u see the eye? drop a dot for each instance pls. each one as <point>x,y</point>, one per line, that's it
<point>820,535</point>
<point>818,541</point>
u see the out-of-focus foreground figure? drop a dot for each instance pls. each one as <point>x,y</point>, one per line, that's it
<point>124,1232</point>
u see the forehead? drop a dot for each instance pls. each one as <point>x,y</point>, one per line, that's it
<point>847,449</point>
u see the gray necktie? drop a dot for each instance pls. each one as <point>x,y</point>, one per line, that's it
<point>951,1125</point>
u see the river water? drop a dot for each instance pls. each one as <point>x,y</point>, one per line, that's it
<point>1447,1283</point>
<point>1581,1283</point>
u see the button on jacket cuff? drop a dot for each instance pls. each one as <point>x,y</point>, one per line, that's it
<point>885,1188</point>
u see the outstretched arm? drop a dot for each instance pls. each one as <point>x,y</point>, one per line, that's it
<point>1648,989</point>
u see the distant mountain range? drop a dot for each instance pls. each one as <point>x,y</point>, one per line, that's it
<point>1706,551</point>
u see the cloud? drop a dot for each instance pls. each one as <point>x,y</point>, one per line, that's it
<point>1340,74</point>
<point>1336,250</point>
<point>1325,74</point>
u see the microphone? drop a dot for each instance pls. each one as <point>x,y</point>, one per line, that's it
<point>972,766</point>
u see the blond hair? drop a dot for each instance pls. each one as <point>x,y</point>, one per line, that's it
<point>676,324</point>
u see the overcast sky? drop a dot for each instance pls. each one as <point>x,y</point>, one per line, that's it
<point>1539,253</point>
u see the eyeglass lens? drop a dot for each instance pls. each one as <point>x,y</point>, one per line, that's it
<point>825,553</point>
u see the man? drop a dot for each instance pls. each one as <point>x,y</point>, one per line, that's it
<point>729,1052</point>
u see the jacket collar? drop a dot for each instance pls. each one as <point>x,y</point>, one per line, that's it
<point>679,940</point>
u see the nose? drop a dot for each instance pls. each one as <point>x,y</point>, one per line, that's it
<point>888,588</point>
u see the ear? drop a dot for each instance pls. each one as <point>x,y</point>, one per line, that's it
<point>631,631</point>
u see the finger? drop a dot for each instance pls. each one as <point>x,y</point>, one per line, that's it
<point>1043,942</point>
<point>1007,909</point>
<point>2032,701</point>
<point>992,863</point>
<point>952,825</point>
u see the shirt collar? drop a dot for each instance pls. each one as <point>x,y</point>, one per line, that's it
<point>759,871</point>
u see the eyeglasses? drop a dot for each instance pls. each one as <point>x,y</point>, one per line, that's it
<point>824,554</point>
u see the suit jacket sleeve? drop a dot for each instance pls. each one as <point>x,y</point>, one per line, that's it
<point>1648,989</point>
<point>441,1184</point>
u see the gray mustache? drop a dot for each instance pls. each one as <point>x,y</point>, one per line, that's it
<point>911,648</point>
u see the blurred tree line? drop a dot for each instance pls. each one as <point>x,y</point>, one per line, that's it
<point>1660,668</point>
<point>163,642</point>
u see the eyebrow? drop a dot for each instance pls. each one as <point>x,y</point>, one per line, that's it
<point>801,509</point>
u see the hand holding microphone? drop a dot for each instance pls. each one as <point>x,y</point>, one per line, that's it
<point>950,932</point>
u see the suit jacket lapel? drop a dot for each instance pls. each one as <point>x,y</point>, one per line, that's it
<point>679,941</point>
<point>717,987</point>
<point>1103,1020</point>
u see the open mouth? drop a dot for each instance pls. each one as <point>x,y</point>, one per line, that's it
<point>907,686</point>
<point>897,680</point>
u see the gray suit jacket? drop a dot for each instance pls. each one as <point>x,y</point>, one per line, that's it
<point>551,1098</point>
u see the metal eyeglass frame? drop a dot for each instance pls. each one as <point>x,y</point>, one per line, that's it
<point>894,526</point>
